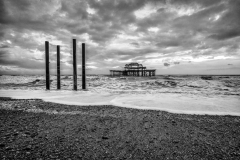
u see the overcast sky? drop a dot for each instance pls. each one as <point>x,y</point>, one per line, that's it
<point>172,36</point>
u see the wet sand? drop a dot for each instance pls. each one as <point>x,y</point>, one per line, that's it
<point>34,129</point>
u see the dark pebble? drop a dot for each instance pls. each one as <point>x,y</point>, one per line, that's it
<point>176,141</point>
<point>27,133</point>
<point>105,137</point>
<point>2,145</point>
<point>28,148</point>
<point>8,148</point>
<point>15,134</point>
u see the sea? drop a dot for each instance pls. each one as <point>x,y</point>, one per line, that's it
<point>185,94</point>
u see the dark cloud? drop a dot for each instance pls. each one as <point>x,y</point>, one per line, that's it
<point>199,21</point>
<point>228,26</point>
<point>19,62</point>
<point>3,55</point>
<point>162,16</point>
<point>27,14</point>
<point>4,46</point>
<point>226,35</point>
<point>170,43</point>
<point>1,33</point>
<point>135,44</point>
<point>121,11</point>
<point>74,9</point>
<point>203,3</point>
<point>166,64</point>
<point>185,29</point>
<point>3,13</point>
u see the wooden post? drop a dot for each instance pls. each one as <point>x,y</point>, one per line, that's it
<point>83,67</point>
<point>58,68</point>
<point>74,65</point>
<point>47,65</point>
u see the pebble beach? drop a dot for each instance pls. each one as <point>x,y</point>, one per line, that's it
<point>34,129</point>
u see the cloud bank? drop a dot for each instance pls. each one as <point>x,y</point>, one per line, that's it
<point>161,34</point>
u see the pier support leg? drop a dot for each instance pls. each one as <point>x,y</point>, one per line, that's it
<point>83,67</point>
<point>74,65</point>
<point>58,68</point>
<point>47,65</point>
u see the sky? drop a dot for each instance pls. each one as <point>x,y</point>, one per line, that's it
<point>171,36</point>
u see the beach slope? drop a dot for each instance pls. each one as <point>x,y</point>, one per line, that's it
<point>34,129</point>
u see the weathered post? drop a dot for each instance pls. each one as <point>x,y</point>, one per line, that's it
<point>74,65</point>
<point>83,67</point>
<point>58,68</point>
<point>47,65</point>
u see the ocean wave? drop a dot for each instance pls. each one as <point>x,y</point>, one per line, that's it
<point>216,85</point>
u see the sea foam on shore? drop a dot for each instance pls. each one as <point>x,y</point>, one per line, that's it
<point>215,95</point>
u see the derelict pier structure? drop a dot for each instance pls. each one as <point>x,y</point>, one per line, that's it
<point>134,69</point>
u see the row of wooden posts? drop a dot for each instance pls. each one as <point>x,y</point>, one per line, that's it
<point>58,66</point>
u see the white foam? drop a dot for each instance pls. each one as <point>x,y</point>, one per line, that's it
<point>158,84</point>
<point>171,102</point>
<point>187,104</point>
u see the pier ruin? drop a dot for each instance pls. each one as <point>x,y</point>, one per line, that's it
<point>134,69</point>
<point>74,53</point>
